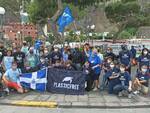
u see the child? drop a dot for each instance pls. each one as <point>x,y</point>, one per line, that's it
<point>142,81</point>
<point>124,85</point>
<point>112,76</point>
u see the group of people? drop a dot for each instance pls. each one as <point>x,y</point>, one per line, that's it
<point>114,69</point>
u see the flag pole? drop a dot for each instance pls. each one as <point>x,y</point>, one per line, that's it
<point>74,22</point>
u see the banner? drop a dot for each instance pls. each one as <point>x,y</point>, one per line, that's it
<point>35,80</point>
<point>65,82</point>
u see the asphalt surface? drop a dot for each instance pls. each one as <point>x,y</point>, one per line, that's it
<point>10,109</point>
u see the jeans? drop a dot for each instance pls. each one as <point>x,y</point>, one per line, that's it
<point>118,88</point>
<point>104,82</point>
<point>112,83</point>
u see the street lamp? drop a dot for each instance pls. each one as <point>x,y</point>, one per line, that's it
<point>92,28</point>
<point>105,35</point>
<point>2,12</point>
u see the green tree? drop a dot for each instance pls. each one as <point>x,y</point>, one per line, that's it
<point>29,39</point>
<point>14,6</point>
<point>127,15</point>
<point>43,11</point>
<point>124,35</point>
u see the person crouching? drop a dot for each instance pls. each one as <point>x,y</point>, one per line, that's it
<point>11,78</point>
<point>124,87</point>
<point>141,81</point>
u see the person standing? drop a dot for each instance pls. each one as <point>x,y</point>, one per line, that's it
<point>31,61</point>
<point>25,48</point>
<point>77,58</point>
<point>7,60</point>
<point>133,52</point>
<point>125,57</point>
<point>95,63</point>
<point>55,56</point>
<point>144,59</point>
<point>109,53</point>
<point>19,57</point>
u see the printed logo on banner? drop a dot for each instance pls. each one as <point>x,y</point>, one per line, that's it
<point>68,79</point>
<point>66,84</point>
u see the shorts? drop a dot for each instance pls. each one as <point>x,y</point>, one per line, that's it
<point>96,76</point>
<point>13,85</point>
<point>144,89</point>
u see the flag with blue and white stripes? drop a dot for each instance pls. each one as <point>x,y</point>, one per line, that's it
<point>36,80</point>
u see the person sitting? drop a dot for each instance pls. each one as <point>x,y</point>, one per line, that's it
<point>11,78</point>
<point>106,67</point>
<point>124,86</point>
<point>141,81</point>
<point>112,77</point>
<point>106,64</point>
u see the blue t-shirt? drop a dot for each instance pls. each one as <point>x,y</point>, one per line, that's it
<point>133,52</point>
<point>95,60</point>
<point>13,75</point>
<point>144,60</point>
<point>42,65</point>
<point>8,60</point>
<point>142,77</point>
<point>125,78</point>
<point>125,58</point>
<point>65,56</point>
<point>111,71</point>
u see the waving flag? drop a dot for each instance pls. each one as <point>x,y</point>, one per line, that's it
<point>38,44</point>
<point>36,80</point>
<point>65,19</point>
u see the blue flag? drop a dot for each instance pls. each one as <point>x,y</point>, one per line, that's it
<point>65,19</point>
<point>36,80</point>
<point>38,44</point>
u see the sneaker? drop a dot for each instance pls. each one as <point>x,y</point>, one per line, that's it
<point>120,94</point>
<point>129,96</point>
<point>136,92</point>
<point>6,89</point>
<point>95,89</point>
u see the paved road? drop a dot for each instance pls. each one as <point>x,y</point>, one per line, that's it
<point>13,109</point>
